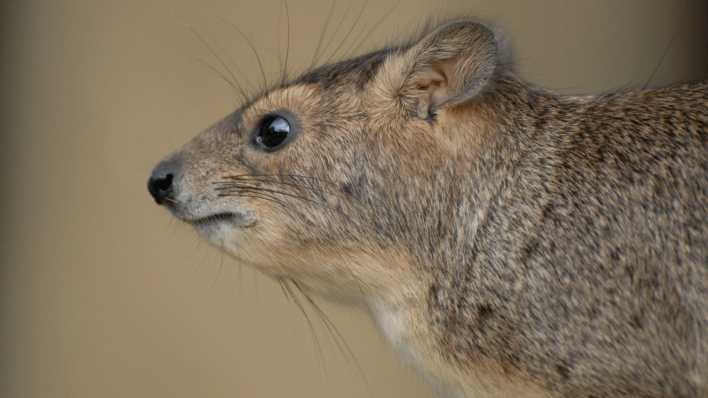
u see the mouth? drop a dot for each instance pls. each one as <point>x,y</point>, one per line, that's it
<point>213,219</point>
<point>243,220</point>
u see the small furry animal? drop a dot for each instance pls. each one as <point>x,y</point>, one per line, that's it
<point>507,240</point>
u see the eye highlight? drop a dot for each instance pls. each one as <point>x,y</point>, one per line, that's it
<point>273,132</point>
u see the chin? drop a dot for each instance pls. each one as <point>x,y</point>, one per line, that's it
<point>213,233</point>
<point>239,243</point>
<point>223,234</point>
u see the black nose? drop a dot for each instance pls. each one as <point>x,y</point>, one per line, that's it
<point>160,188</point>
<point>161,183</point>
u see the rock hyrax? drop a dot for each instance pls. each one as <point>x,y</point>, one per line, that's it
<point>507,240</point>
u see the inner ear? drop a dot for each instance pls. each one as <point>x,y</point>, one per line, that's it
<point>434,86</point>
<point>449,66</point>
<point>431,86</point>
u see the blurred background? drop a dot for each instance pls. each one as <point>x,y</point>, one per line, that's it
<point>103,295</point>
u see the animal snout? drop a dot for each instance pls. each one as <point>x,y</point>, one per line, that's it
<point>161,183</point>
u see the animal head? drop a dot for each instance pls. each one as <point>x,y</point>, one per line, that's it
<point>328,178</point>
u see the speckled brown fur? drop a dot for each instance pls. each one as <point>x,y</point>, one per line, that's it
<point>508,240</point>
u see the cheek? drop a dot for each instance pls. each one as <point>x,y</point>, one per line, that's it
<point>259,243</point>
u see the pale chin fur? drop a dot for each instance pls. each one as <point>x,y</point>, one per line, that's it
<point>215,232</point>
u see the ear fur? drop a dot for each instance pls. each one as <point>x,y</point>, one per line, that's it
<point>449,66</point>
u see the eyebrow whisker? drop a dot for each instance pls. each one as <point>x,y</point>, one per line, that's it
<point>233,81</point>
<point>333,4</point>
<point>250,44</point>
<point>351,30</point>
<point>366,33</point>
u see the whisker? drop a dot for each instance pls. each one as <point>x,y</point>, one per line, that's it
<point>282,289</point>
<point>246,83</point>
<point>351,30</point>
<point>292,181</point>
<point>294,177</point>
<point>284,73</point>
<point>209,47</point>
<point>315,339</point>
<point>253,50</point>
<point>307,185</point>
<point>238,188</point>
<point>254,195</point>
<point>325,321</point>
<point>170,200</point>
<point>230,186</point>
<point>278,38</point>
<point>240,277</point>
<point>332,6</point>
<point>334,332</point>
<point>368,32</point>
<point>224,78</point>
<point>337,30</point>
<point>218,272</point>
<point>667,49</point>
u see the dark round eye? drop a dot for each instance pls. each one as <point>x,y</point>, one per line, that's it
<point>273,132</point>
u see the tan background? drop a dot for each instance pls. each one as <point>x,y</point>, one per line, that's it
<point>103,295</point>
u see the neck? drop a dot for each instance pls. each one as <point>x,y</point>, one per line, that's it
<point>459,221</point>
<point>495,140</point>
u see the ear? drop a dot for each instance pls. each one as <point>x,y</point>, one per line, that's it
<point>449,66</point>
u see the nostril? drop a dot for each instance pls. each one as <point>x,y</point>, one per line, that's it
<point>165,183</point>
<point>160,187</point>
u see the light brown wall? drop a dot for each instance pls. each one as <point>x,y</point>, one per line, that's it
<point>103,295</point>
